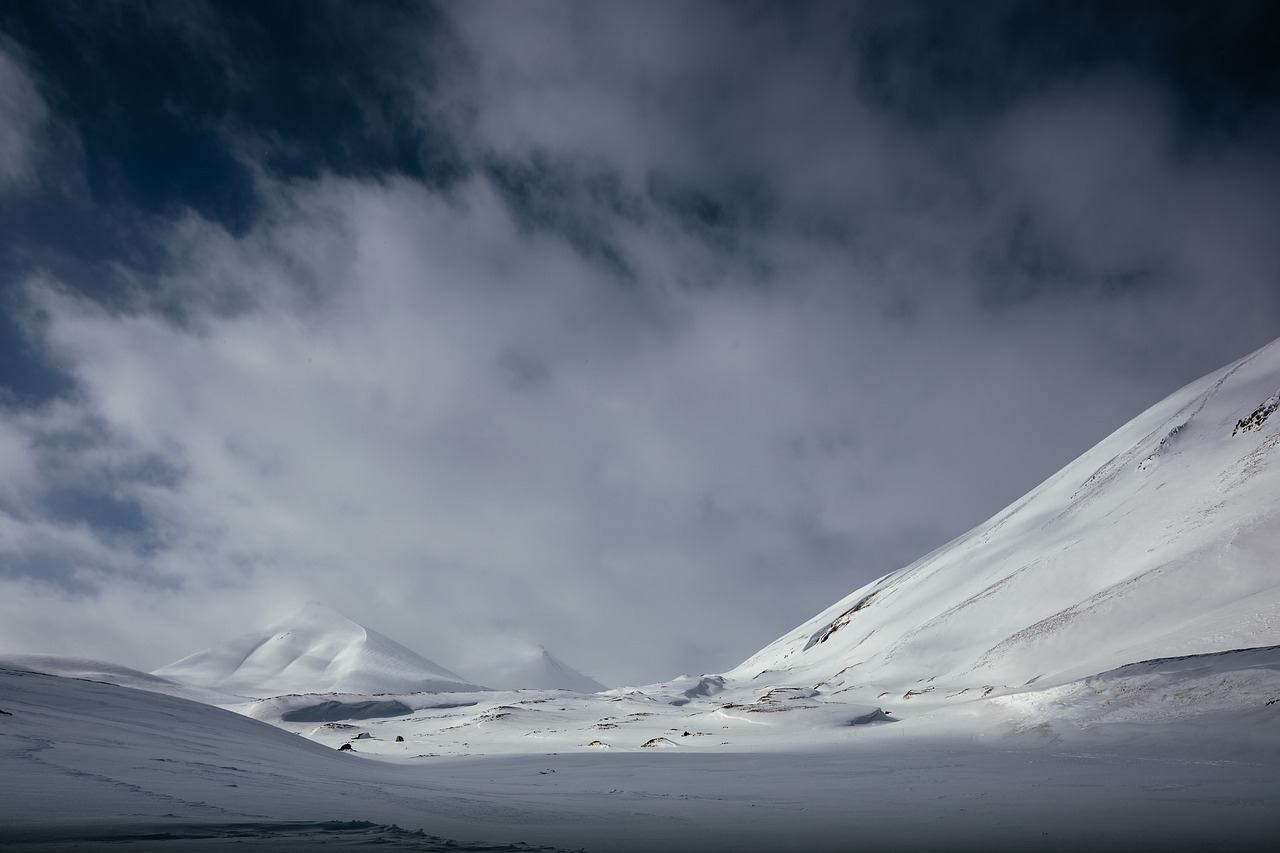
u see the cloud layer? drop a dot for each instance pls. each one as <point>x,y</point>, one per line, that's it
<point>641,331</point>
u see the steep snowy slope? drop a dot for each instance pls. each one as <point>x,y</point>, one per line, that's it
<point>1163,540</point>
<point>536,668</point>
<point>316,650</point>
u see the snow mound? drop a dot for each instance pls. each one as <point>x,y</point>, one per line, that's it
<point>112,673</point>
<point>1158,542</point>
<point>316,650</point>
<point>92,765</point>
<point>871,718</point>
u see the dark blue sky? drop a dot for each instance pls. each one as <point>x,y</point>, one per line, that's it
<point>560,321</point>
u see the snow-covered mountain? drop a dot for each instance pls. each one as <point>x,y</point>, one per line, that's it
<point>1163,540</point>
<point>538,669</point>
<point>315,650</point>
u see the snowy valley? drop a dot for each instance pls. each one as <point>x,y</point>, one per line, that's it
<point>1097,665</point>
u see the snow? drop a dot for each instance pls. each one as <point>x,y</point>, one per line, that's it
<point>1114,559</point>
<point>318,650</point>
<point>1096,666</point>
<point>110,673</point>
<point>315,650</point>
<point>91,764</point>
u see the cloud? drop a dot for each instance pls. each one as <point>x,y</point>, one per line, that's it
<point>708,326</point>
<point>23,115</point>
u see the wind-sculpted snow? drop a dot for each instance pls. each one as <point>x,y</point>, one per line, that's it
<point>1160,541</point>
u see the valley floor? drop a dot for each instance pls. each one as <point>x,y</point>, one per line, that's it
<point>927,797</point>
<point>89,766</point>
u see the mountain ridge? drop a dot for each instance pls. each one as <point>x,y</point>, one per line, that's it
<point>318,650</point>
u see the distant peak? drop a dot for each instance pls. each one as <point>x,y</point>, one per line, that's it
<point>315,649</point>
<point>314,616</point>
<point>317,605</point>
<point>316,608</point>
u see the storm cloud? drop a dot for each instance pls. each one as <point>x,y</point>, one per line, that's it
<point>639,330</point>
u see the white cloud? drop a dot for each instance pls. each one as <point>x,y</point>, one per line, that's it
<point>403,406</point>
<point>457,428</point>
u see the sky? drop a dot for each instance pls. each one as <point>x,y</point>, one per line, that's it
<point>642,331</point>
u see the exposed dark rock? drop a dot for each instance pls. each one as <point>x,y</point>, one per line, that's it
<point>840,621</point>
<point>1259,415</point>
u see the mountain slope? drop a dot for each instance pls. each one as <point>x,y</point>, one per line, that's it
<point>315,650</point>
<point>111,673</point>
<point>1160,541</point>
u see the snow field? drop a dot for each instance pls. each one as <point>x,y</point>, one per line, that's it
<point>90,764</point>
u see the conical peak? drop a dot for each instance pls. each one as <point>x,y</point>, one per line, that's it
<point>313,614</point>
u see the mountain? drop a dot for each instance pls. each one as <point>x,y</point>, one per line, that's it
<point>538,669</point>
<point>1159,542</point>
<point>315,650</point>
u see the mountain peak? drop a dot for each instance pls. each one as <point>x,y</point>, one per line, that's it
<point>537,668</point>
<point>313,650</point>
<point>314,615</point>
